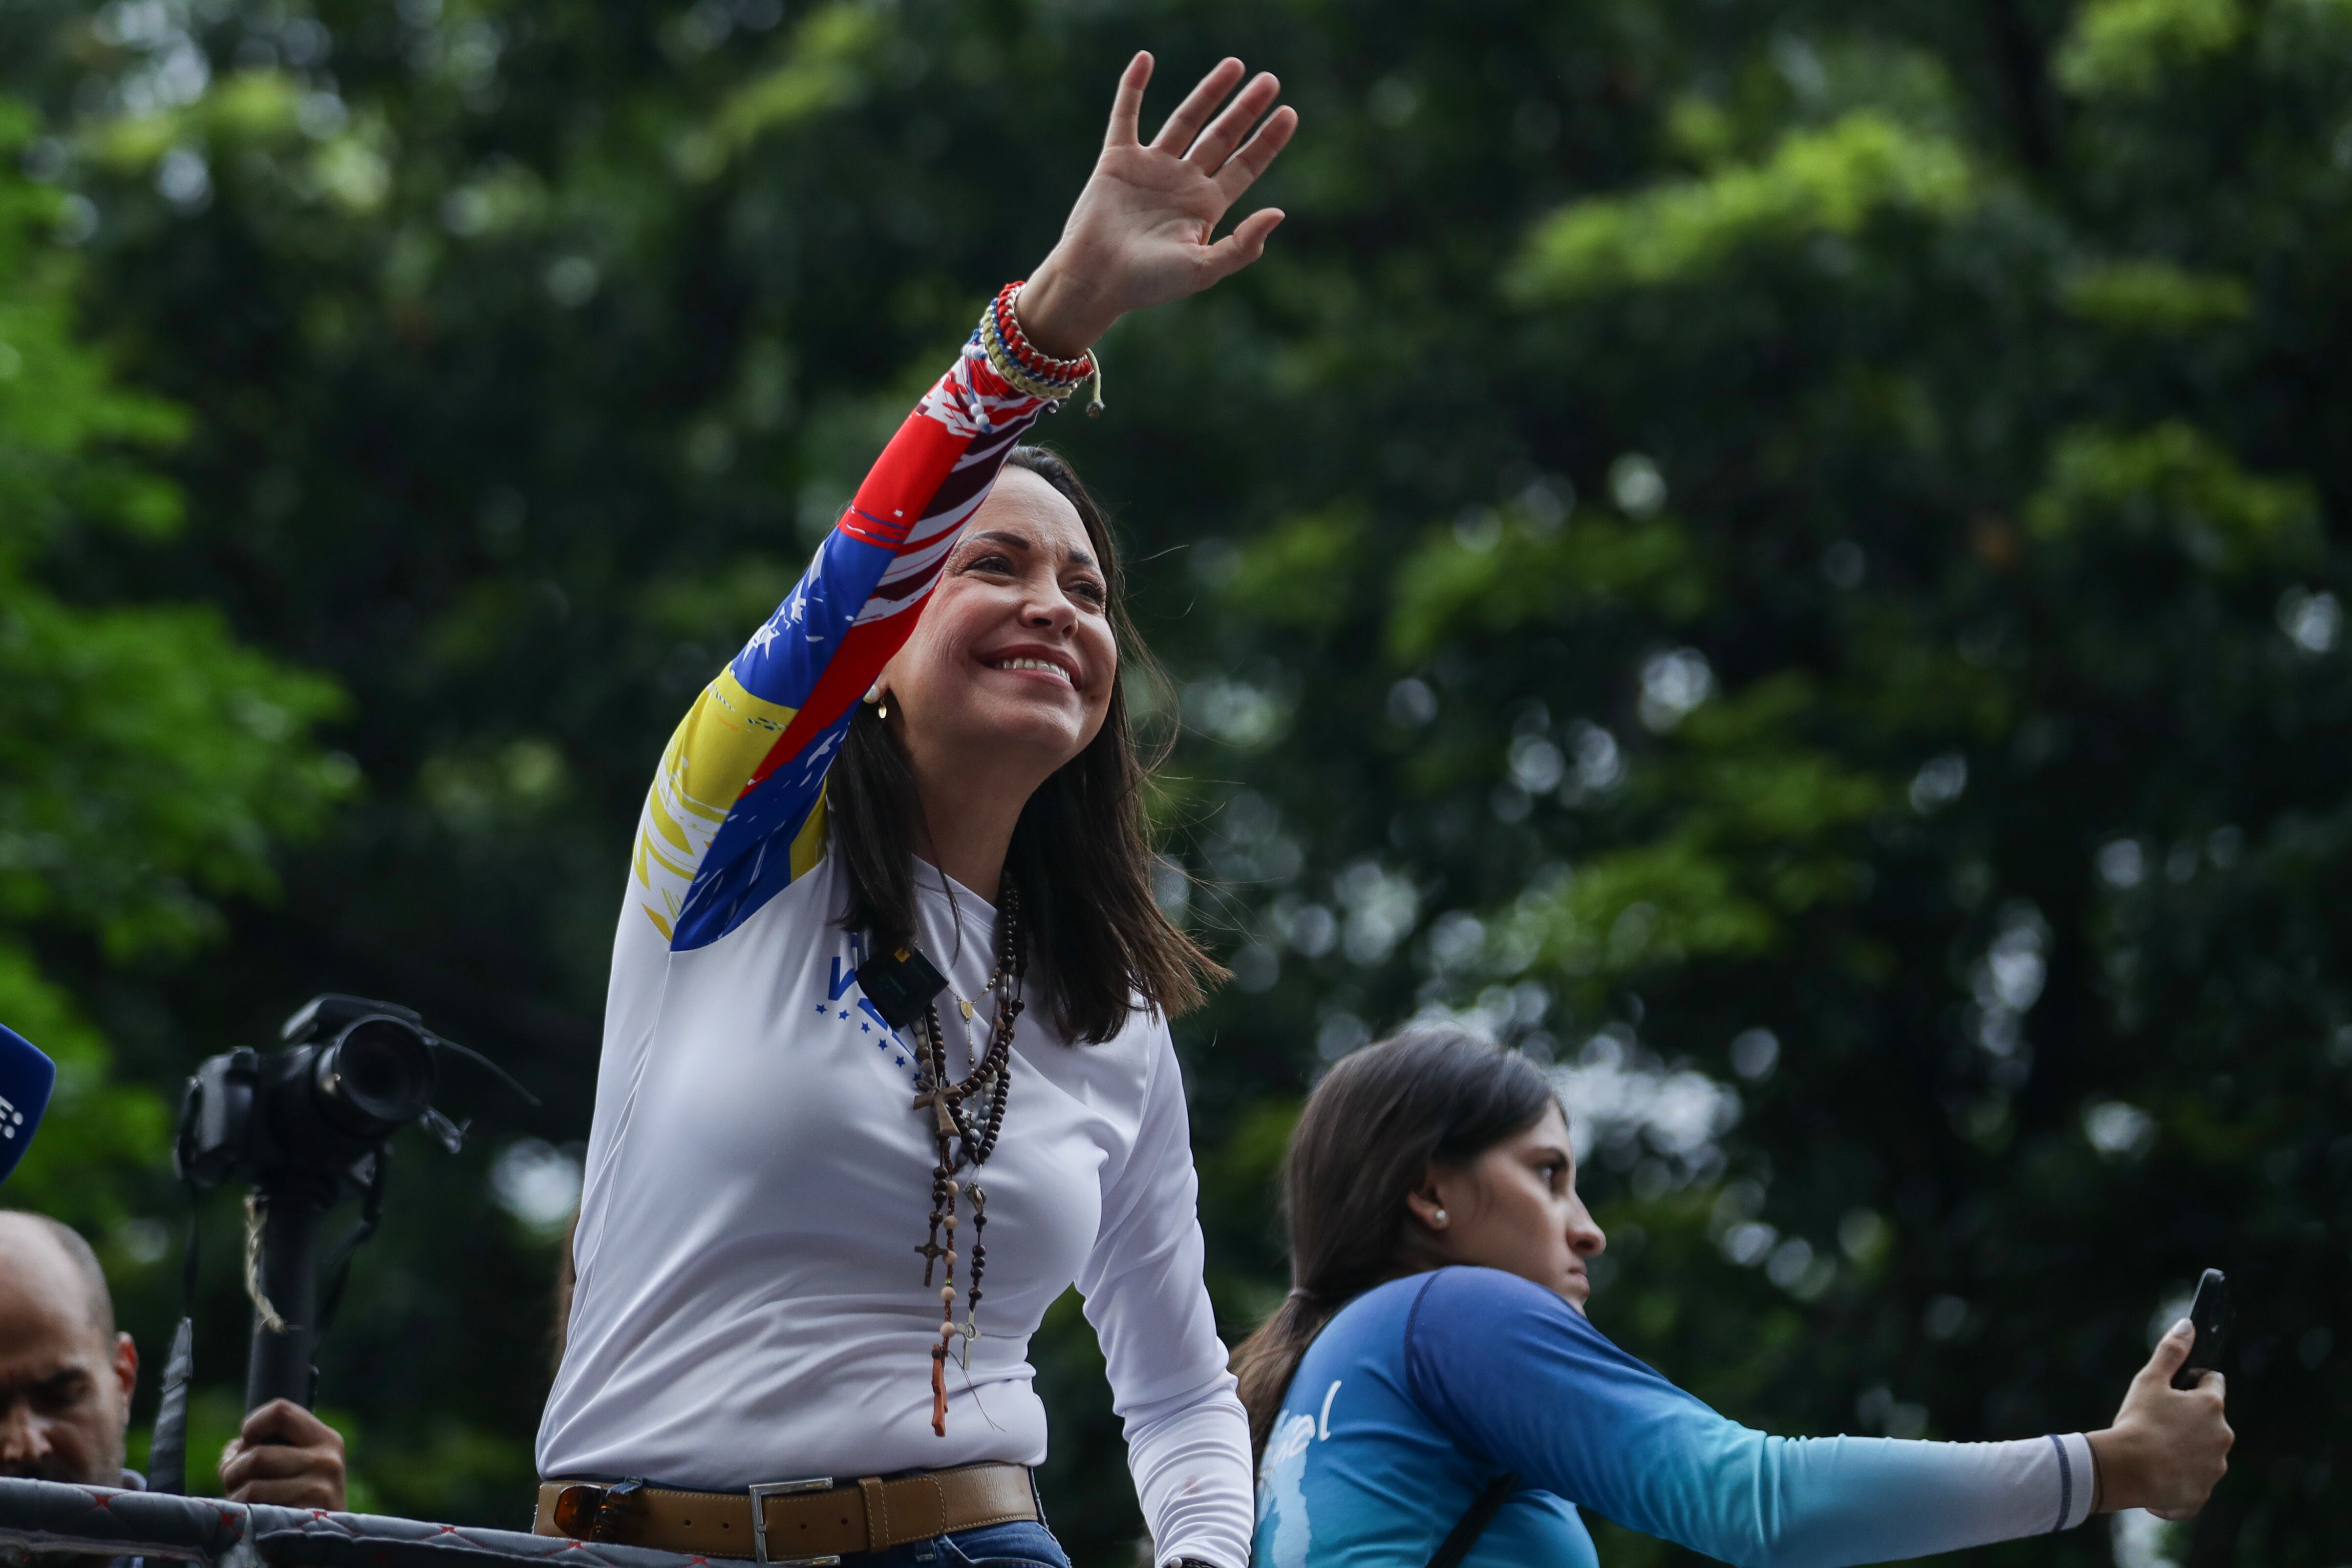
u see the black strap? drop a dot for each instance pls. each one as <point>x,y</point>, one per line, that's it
<point>167,1450</point>
<point>188,1269</point>
<point>1474,1521</point>
<point>339,1272</point>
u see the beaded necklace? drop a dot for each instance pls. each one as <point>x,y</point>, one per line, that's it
<point>965,1135</point>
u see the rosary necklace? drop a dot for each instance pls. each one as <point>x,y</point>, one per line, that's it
<point>966,1117</point>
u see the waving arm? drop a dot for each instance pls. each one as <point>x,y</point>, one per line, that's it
<point>736,811</point>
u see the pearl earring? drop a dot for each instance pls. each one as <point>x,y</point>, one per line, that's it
<point>1438,1219</point>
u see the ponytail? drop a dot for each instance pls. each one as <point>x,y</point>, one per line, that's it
<point>1269,1359</point>
<point>1369,1132</point>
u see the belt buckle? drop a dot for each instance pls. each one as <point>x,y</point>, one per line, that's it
<point>760,1492</point>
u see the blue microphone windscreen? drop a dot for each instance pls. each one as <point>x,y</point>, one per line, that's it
<point>25,1078</point>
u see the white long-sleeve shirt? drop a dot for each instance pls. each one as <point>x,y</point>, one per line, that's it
<point>749,1304</point>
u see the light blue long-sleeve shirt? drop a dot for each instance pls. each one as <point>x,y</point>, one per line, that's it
<point>1422,1391</point>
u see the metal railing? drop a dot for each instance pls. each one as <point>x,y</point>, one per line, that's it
<point>46,1517</point>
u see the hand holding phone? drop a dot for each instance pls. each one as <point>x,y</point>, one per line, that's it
<point>2170,1443</point>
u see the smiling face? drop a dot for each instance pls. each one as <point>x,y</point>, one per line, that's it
<point>1515,1207</point>
<point>1015,653</point>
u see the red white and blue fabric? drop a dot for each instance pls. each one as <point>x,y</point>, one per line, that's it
<point>737,812</point>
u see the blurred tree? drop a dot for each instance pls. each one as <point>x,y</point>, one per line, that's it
<point>1786,557</point>
<point>147,760</point>
<point>150,762</point>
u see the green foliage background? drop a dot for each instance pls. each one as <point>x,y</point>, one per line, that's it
<point>1817,519</point>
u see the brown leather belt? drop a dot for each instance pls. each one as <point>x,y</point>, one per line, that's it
<point>810,1522</point>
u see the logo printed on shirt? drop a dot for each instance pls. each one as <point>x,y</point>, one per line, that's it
<point>1282,1494</point>
<point>862,1011</point>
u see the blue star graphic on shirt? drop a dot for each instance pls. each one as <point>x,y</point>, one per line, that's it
<point>845,1012</point>
<point>865,1029</point>
<point>820,1010</point>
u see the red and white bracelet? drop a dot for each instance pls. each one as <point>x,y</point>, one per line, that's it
<point>1026,367</point>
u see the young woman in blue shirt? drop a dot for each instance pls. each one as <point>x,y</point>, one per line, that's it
<point>1431,1381</point>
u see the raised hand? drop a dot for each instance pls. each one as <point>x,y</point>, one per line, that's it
<point>1141,231</point>
<point>2168,1446</point>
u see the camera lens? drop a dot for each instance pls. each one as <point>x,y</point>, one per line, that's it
<point>378,1076</point>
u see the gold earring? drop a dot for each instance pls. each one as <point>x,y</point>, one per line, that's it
<point>879,699</point>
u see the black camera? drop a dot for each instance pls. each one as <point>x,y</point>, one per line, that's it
<point>316,1116</point>
<point>306,1127</point>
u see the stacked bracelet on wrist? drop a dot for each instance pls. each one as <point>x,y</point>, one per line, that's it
<point>1023,366</point>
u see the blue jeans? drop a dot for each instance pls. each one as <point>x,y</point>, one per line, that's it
<point>1023,1543</point>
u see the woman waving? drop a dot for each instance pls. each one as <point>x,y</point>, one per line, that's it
<point>887,1064</point>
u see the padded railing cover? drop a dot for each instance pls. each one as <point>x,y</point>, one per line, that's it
<point>45,1517</point>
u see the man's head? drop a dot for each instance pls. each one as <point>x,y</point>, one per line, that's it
<point>65,1375</point>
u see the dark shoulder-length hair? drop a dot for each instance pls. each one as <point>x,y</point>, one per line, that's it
<point>1371,1129</point>
<point>1081,857</point>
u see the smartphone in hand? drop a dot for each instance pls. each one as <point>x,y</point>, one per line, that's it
<point>2210,1312</point>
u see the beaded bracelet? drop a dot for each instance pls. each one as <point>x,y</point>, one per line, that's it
<point>1027,368</point>
<point>1032,359</point>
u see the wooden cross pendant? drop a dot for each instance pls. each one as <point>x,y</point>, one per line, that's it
<point>943,1118</point>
